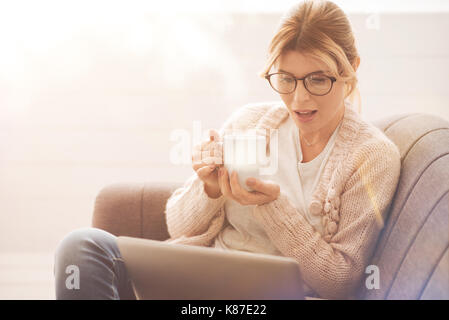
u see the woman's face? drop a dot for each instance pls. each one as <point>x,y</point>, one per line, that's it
<point>330,107</point>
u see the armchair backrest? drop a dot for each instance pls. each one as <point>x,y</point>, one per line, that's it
<point>412,254</point>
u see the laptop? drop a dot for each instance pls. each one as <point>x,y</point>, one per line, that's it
<point>166,271</point>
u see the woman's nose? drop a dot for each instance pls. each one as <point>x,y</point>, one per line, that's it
<point>301,93</point>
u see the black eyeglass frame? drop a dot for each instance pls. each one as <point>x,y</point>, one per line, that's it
<point>333,79</point>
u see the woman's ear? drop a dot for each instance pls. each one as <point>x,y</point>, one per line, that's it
<point>356,63</point>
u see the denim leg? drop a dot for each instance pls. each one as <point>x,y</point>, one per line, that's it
<point>88,265</point>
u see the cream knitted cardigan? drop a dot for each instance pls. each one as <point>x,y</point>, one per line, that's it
<point>352,196</point>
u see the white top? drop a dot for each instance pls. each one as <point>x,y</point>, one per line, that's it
<point>296,179</point>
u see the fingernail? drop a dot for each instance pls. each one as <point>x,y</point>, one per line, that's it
<point>251,181</point>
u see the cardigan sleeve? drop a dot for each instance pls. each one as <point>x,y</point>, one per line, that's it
<point>334,269</point>
<point>189,209</point>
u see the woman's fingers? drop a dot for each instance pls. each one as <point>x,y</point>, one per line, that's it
<point>223,181</point>
<point>204,172</point>
<point>230,187</point>
<point>214,135</point>
<point>265,187</point>
<point>245,197</point>
<point>263,193</point>
<point>207,156</point>
<point>211,161</point>
<point>199,154</point>
<point>208,149</point>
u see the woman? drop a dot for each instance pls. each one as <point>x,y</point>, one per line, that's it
<point>337,174</point>
<point>326,203</point>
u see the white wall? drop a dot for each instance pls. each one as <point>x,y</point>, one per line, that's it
<point>89,100</point>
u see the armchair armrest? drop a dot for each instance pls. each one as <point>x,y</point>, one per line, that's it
<point>133,209</point>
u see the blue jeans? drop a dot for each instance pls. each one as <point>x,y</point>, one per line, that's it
<point>88,265</point>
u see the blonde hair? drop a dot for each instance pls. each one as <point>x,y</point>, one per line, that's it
<point>321,30</point>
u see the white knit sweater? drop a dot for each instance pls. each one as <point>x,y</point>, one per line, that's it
<point>351,198</point>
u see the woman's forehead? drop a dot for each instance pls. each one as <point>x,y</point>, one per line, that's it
<point>299,64</point>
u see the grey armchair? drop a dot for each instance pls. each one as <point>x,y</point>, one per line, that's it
<point>411,254</point>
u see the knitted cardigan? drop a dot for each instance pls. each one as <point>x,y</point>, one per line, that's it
<point>352,196</point>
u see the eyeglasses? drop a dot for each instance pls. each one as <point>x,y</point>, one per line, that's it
<point>316,83</point>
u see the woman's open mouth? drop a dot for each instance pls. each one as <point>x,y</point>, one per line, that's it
<point>305,116</point>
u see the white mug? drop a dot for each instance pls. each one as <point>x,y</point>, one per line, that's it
<point>245,153</point>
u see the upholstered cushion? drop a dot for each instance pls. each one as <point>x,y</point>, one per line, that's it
<point>412,251</point>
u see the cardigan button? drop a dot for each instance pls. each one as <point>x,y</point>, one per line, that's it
<point>335,216</point>
<point>327,207</point>
<point>337,202</point>
<point>332,227</point>
<point>315,207</point>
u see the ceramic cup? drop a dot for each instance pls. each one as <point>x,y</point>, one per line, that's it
<point>244,152</point>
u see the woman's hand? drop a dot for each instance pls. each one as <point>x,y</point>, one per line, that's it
<point>265,191</point>
<point>207,157</point>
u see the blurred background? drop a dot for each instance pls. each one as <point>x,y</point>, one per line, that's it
<point>91,93</point>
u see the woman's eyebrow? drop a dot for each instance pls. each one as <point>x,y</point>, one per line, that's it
<point>317,71</point>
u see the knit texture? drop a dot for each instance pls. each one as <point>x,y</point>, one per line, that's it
<point>352,197</point>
